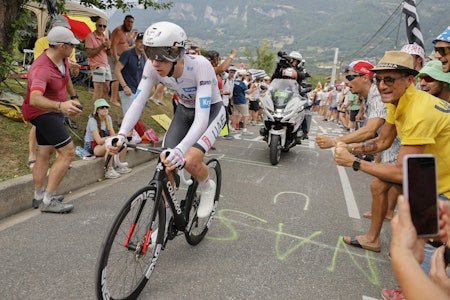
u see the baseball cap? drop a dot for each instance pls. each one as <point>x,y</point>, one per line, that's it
<point>414,49</point>
<point>361,67</point>
<point>60,34</point>
<point>445,36</point>
<point>99,103</point>
<point>396,60</point>
<point>434,69</point>
<point>232,68</point>
<point>242,72</point>
<point>60,20</point>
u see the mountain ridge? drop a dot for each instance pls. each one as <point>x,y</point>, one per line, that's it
<point>315,29</point>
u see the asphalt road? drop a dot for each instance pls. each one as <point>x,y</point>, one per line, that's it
<point>277,234</point>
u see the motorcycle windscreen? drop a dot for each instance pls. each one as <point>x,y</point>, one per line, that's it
<point>283,90</point>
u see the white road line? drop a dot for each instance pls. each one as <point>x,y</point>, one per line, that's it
<point>369,298</point>
<point>352,207</point>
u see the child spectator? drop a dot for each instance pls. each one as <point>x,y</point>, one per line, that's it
<point>98,129</point>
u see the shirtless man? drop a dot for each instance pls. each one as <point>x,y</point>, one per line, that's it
<point>120,41</point>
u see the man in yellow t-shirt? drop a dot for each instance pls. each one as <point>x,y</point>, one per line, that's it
<point>421,121</point>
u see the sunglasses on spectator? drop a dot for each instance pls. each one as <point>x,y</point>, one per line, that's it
<point>443,51</point>
<point>388,80</point>
<point>69,44</point>
<point>101,25</point>
<point>103,107</point>
<point>351,77</point>
<point>427,79</point>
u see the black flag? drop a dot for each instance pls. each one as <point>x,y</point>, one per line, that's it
<point>412,23</point>
<point>52,9</point>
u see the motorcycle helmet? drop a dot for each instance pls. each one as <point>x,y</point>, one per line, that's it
<point>289,73</point>
<point>296,55</point>
<point>164,41</point>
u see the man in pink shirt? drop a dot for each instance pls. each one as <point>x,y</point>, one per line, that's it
<point>98,48</point>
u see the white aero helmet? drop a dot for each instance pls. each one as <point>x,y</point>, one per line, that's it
<point>164,41</point>
<point>289,73</point>
<point>296,55</point>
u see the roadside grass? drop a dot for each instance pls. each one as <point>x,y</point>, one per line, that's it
<point>14,137</point>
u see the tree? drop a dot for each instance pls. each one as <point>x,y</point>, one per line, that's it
<point>263,59</point>
<point>12,15</point>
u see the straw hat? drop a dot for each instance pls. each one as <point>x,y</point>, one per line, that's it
<point>396,60</point>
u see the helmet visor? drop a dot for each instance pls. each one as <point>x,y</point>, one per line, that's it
<point>164,54</point>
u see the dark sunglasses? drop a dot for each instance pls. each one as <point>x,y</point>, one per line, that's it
<point>69,44</point>
<point>443,51</point>
<point>427,79</point>
<point>351,77</point>
<point>101,25</point>
<point>102,107</point>
<point>387,80</point>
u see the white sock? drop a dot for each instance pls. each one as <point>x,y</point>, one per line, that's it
<point>48,195</point>
<point>205,183</point>
<point>39,193</point>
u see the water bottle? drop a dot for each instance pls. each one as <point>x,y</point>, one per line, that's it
<point>79,152</point>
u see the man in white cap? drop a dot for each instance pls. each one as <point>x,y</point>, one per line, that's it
<point>40,46</point>
<point>45,106</point>
<point>240,102</point>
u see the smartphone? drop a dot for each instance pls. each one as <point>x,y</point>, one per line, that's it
<point>420,188</point>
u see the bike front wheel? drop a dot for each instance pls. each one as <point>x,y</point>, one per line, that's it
<point>198,227</point>
<point>131,247</point>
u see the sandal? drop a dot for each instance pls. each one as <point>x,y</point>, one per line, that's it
<point>353,241</point>
<point>368,215</point>
<point>30,164</point>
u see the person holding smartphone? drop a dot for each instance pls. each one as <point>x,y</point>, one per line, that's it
<point>407,251</point>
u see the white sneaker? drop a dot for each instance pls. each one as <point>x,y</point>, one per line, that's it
<point>247,132</point>
<point>111,174</point>
<point>207,200</point>
<point>123,170</point>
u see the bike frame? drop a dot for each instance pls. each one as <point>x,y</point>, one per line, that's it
<point>161,183</point>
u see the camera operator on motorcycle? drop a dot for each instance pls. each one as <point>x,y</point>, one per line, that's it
<point>295,60</point>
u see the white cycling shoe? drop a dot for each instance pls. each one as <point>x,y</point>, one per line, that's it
<point>207,200</point>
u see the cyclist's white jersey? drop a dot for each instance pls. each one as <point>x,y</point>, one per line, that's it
<point>197,89</point>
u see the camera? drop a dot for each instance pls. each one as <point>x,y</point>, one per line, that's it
<point>284,60</point>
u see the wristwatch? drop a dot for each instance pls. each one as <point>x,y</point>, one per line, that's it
<point>356,164</point>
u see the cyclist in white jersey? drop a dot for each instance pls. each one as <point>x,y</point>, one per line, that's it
<point>200,114</point>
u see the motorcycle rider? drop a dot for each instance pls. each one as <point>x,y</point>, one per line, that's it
<point>286,74</point>
<point>295,60</point>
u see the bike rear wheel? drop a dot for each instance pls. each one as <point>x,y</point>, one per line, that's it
<point>125,265</point>
<point>198,227</point>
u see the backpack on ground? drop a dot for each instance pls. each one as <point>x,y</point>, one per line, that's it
<point>11,106</point>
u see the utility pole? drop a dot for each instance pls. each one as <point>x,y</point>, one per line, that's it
<point>333,72</point>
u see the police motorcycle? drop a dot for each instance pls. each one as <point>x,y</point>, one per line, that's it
<point>283,112</point>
